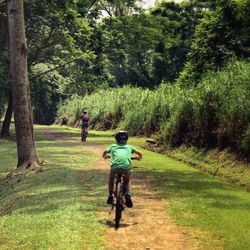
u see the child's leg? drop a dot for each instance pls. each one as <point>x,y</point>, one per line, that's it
<point>126,182</point>
<point>110,188</point>
<point>82,133</point>
<point>86,128</point>
<point>83,129</point>
<point>111,182</point>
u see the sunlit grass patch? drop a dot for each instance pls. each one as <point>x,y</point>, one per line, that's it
<point>222,163</point>
<point>210,209</point>
<point>55,208</point>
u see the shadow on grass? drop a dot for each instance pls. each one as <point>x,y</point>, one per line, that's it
<point>112,224</point>
<point>54,189</point>
<point>171,184</point>
<point>64,136</point>
<point>102,135</point>
<point>60,187</point>
<point>49,144</point>
<point>11,138</point>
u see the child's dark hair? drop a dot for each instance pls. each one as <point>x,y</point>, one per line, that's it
<point>121,136</point>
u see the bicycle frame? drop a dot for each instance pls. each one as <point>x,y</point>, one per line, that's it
<point>119,197</point>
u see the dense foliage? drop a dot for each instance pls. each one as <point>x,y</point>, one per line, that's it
<point>90,52</point>
<point>145,49</point>
<point>151,72</point>
<point>215,113</point>
<point>223,33</point>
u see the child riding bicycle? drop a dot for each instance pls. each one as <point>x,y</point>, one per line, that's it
<point>120,161</point>
<point>85,122</point>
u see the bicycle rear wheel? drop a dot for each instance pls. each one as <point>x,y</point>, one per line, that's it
<point>118,206</point>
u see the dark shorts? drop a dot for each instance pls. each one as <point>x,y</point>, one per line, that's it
<point>125,172</point>
<point>126,179</point>
<point>85,124</point>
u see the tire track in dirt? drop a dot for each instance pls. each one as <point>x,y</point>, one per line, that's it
<point>145,226</point>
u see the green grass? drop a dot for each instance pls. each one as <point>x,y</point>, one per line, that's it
<point>57,208</point>
<point>7,156</point>
<point>223,163</point>
<point>211,210</point>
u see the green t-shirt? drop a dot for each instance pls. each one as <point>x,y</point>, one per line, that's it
<point>120,155</point>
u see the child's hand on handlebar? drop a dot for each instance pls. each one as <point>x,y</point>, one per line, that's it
<point>138,155</point>
<point>105,155</point>
<point>137,158</point>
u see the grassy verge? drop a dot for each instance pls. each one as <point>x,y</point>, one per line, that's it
<point>56,208</point>
<point>210,209</point>
<point>221,163</point>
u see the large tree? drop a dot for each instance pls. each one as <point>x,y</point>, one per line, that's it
<point>26,149</point>
<point>145,49</point>
<point>4,89</point>
<point>223,34</point>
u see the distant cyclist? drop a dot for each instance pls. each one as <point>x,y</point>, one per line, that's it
<point>120,161</point>
<point>85,121</point>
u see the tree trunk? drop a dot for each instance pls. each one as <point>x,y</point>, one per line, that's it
<point>5,132</point>
<point>26,148</point>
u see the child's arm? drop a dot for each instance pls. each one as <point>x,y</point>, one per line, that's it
<point>105,154</point>
<point>138,155</point>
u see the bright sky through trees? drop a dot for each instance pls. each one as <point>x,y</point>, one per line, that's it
<point>151,3</point>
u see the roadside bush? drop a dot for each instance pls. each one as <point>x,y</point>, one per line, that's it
<point>183,124</point>
<point>216,113</point>
<point>245,143</point>
<point>220,112</point>
<point>233,90</point>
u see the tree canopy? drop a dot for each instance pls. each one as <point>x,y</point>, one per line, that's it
<point>79,47</point>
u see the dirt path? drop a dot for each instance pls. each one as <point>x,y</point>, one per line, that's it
<point>146,225</point>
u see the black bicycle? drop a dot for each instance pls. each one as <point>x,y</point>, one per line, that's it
<point>119,200</point>
<point>119,197</point>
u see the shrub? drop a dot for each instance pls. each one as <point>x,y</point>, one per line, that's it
<point>245,143</point>
<point>215,113</point>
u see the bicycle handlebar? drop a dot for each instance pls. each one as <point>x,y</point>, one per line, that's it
<point>132,158</point>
